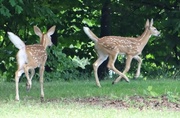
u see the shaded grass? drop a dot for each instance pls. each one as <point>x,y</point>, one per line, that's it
<point>86,88</point>
<point>77,89</point>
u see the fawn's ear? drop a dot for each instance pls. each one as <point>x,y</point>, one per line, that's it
<point>37,31</point>
<point>51,30</point>
<point>151,23</point>
<point>147,23</point>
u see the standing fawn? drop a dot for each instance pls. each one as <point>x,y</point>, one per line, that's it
<point>30,57</point>
<point>112,46</point>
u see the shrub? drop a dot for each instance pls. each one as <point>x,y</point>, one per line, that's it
<point>63,66</point>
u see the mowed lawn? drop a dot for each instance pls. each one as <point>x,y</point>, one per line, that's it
<point>61,99</point>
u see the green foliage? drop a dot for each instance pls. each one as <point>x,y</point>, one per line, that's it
<point>4,11</point>
<point>62,66</point>
<point>149,92</point>
<point>161,55</point>
<point>80,62</point>
<point>7,64</point>
<point>173,97</point>
<point>7,6</point>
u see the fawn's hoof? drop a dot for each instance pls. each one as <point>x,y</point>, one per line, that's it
<point>17,99</point>
<point>127,81</point>
<point>28,87</point>
<point>113,83</point>
<point>42,99</point>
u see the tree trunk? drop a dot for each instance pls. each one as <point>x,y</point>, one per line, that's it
<point>105,31</point>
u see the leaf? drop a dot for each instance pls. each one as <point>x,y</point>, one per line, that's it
<point>12,3</point>
<point>20,1</point>
<point>149,88</point>
<point>4,11</point>
<point>81,62</point>
<point>154,94</point>
<point>18,9</point>
<point>88,22</point>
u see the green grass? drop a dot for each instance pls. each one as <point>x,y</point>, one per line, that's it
<point>76,89</point>
<point>30,105</point>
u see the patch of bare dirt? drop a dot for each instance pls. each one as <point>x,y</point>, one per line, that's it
<point>137,102</point>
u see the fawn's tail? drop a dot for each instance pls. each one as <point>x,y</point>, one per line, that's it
<point>16,41</point>
<point>90,34</point>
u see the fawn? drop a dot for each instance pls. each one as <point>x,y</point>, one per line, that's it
<point>112,46</point>
<point>30,57</point>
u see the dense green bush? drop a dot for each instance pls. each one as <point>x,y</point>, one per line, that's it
<point>63,66</point>
<point>161,56</point>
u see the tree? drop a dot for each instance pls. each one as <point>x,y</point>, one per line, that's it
<point>124,18</point>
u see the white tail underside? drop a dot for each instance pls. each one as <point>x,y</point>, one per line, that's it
<point>90,34</point>
<point>16,40</point>
<point>21,55</point>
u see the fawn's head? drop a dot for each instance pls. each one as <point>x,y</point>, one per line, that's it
<point>45,38</point>
<point>152,29</point>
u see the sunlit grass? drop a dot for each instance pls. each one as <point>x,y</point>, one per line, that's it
<point>34,109</point>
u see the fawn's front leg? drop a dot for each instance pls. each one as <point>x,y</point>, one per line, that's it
<point>138,58</point>
<point>111,62</point>
<point>127,67</point>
